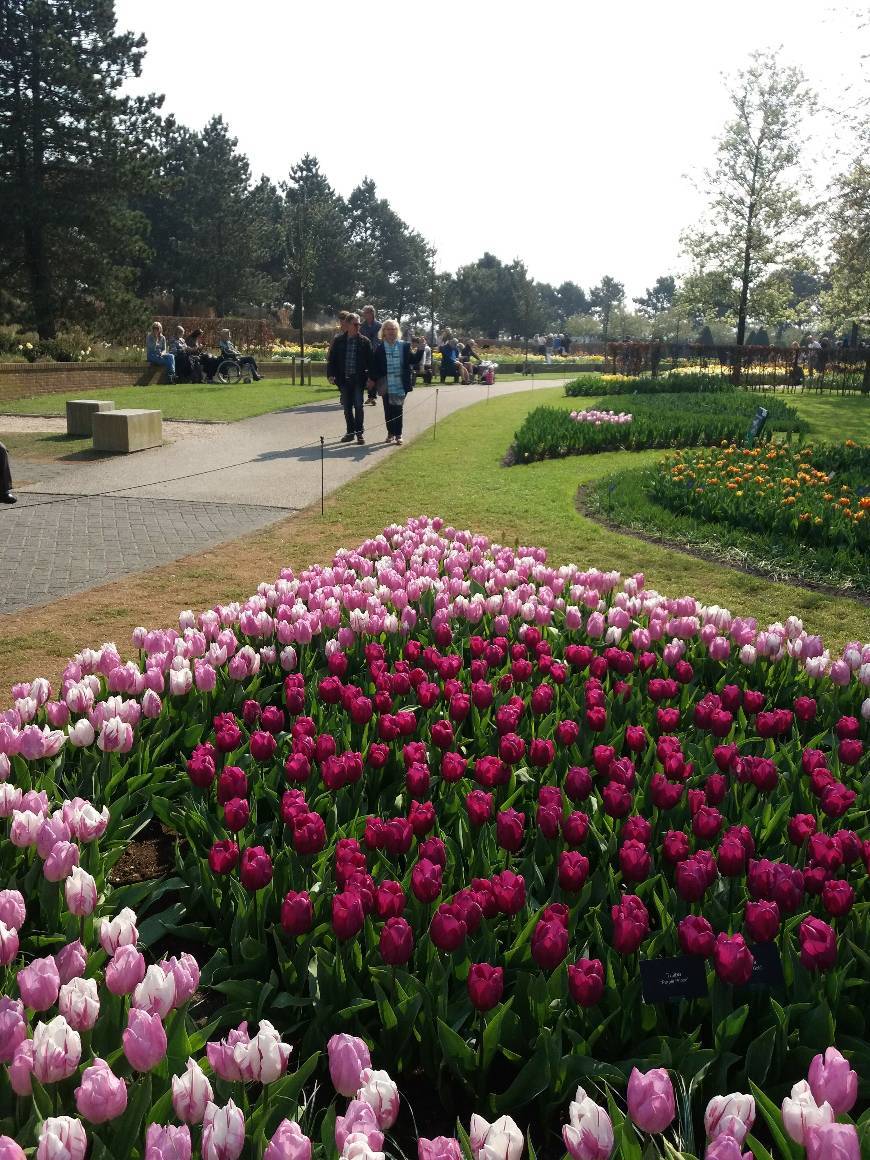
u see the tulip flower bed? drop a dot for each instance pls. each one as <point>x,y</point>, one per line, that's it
<point>659,421</point>
<point>799,512</point>
<point>821,496</point>
<point>452,799</point>
<point>676,382</point>
<point>599,417</point>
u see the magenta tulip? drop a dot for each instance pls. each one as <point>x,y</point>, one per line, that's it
<point>832,1079</point>
<point>650,1098</point>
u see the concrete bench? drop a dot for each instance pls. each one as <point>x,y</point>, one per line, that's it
<point>80,414</point>
<point>127,430</point>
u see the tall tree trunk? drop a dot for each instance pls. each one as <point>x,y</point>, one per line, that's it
<point>32,184</point>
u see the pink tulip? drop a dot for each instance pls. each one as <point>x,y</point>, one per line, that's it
<point>116,736</point>
<point>12,909</point>
<point>725,1147</point>
<point>156,993</point>
<point>81,734</point>
<point>71,961</point>
<point>79,1003</point>
<point>62,1138</point>
<point>21,1069</point>
<point>185,972</point>
<point>144,1040</point>
<point>731,1115</point>
<point>831,1079</point>
<point>381,1094</point>
<point>589,1133</point>
<point>348,1056</point>
<point>800,1112</point>
<point>8,944</point>
<point>359,1119</point>
<point>502,1139</point>
<point>191,1094</point>
<point>52,830</point>
<point>60,862</point>
<point>9,1150</point>
<point>57,1049</point>
<point>166,1142</point>
<point>120,931</point>
<point>13,1029</point>
<point>439,1148</point>
<point>125,971</point>
<point>650,1099</point>
<point>80,890</point>
<point>223,1132</point>
<point>833,1142</point>
<point>288,1143</point>
<point>25,828</point>
<point>267,1056</point>
<point>229,1057</point>
<point>84,821</point>
<point>101,1095</point>
<point>358,1147</point>
<point>39,983</point>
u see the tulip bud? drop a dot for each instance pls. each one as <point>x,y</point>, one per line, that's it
<point>348,1057</point>
<point>650,1099</point>
<point>79,1004</point>
<point>62,1137</point>
<point>832,1079</point>
<point>288,1143</point>
<point>223,1129</point>
<point>381,1094</point>
<point>800,1112</point>
<point>101,1096</point>
<point>191,1094</point>
<point>167,1142</point>
<point>144,1040</point>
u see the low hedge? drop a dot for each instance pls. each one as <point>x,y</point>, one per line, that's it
<point>671,420</point>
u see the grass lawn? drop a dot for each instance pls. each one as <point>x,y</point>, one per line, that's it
<point>458,476</point>
<point>199,401</point>
<point>44,446</point>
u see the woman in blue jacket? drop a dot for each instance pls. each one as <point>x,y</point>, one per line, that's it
<point>391,371</point>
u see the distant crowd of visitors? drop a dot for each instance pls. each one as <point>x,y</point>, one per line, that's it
<point>185,359</point>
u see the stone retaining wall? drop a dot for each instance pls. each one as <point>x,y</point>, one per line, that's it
<point>21,380</point>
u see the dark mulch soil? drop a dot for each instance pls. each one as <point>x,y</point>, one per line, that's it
<point>148,856</point>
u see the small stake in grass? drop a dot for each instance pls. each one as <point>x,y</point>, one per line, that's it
<point>435,420</point>
<point>321,475</point>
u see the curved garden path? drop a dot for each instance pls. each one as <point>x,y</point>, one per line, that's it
<point>78,525</point>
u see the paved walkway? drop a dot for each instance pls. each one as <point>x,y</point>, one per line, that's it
<point>79,525</point>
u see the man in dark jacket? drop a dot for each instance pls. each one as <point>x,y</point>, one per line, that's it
<point>370,328</point>
<point>349,368</point>
<point>6,495</point>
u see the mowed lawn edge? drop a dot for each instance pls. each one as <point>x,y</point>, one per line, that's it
<point>457,475</point>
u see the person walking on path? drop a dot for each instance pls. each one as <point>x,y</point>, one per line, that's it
<point>392,376</point>
<point>5,477</point>
<point>349,368</point>
<point>370,328</point>
<point>156,352</point>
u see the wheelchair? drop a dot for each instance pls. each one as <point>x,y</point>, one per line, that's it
<point>230,371</point>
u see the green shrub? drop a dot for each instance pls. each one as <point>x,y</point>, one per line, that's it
<point>671,420</point>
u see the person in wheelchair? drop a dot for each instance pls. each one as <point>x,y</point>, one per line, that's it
<point>232,354</point>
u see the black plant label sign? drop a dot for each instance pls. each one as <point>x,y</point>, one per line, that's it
<point>757,424</point>
<point>681,977</point>
<point>767,967</point>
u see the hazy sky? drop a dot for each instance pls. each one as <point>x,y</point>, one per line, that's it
<point>558,131</point>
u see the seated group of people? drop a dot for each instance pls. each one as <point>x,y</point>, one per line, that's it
<point>456,358</point>
<point>186,359</point>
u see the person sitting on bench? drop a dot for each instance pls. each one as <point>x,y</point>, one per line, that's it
<point>421,359</point>
<point>156,352</point>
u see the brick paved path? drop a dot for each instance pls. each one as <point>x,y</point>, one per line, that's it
<point>76,526</point>
<point>52,546</point>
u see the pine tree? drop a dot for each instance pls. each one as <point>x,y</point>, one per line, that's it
<point>72,148</point>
